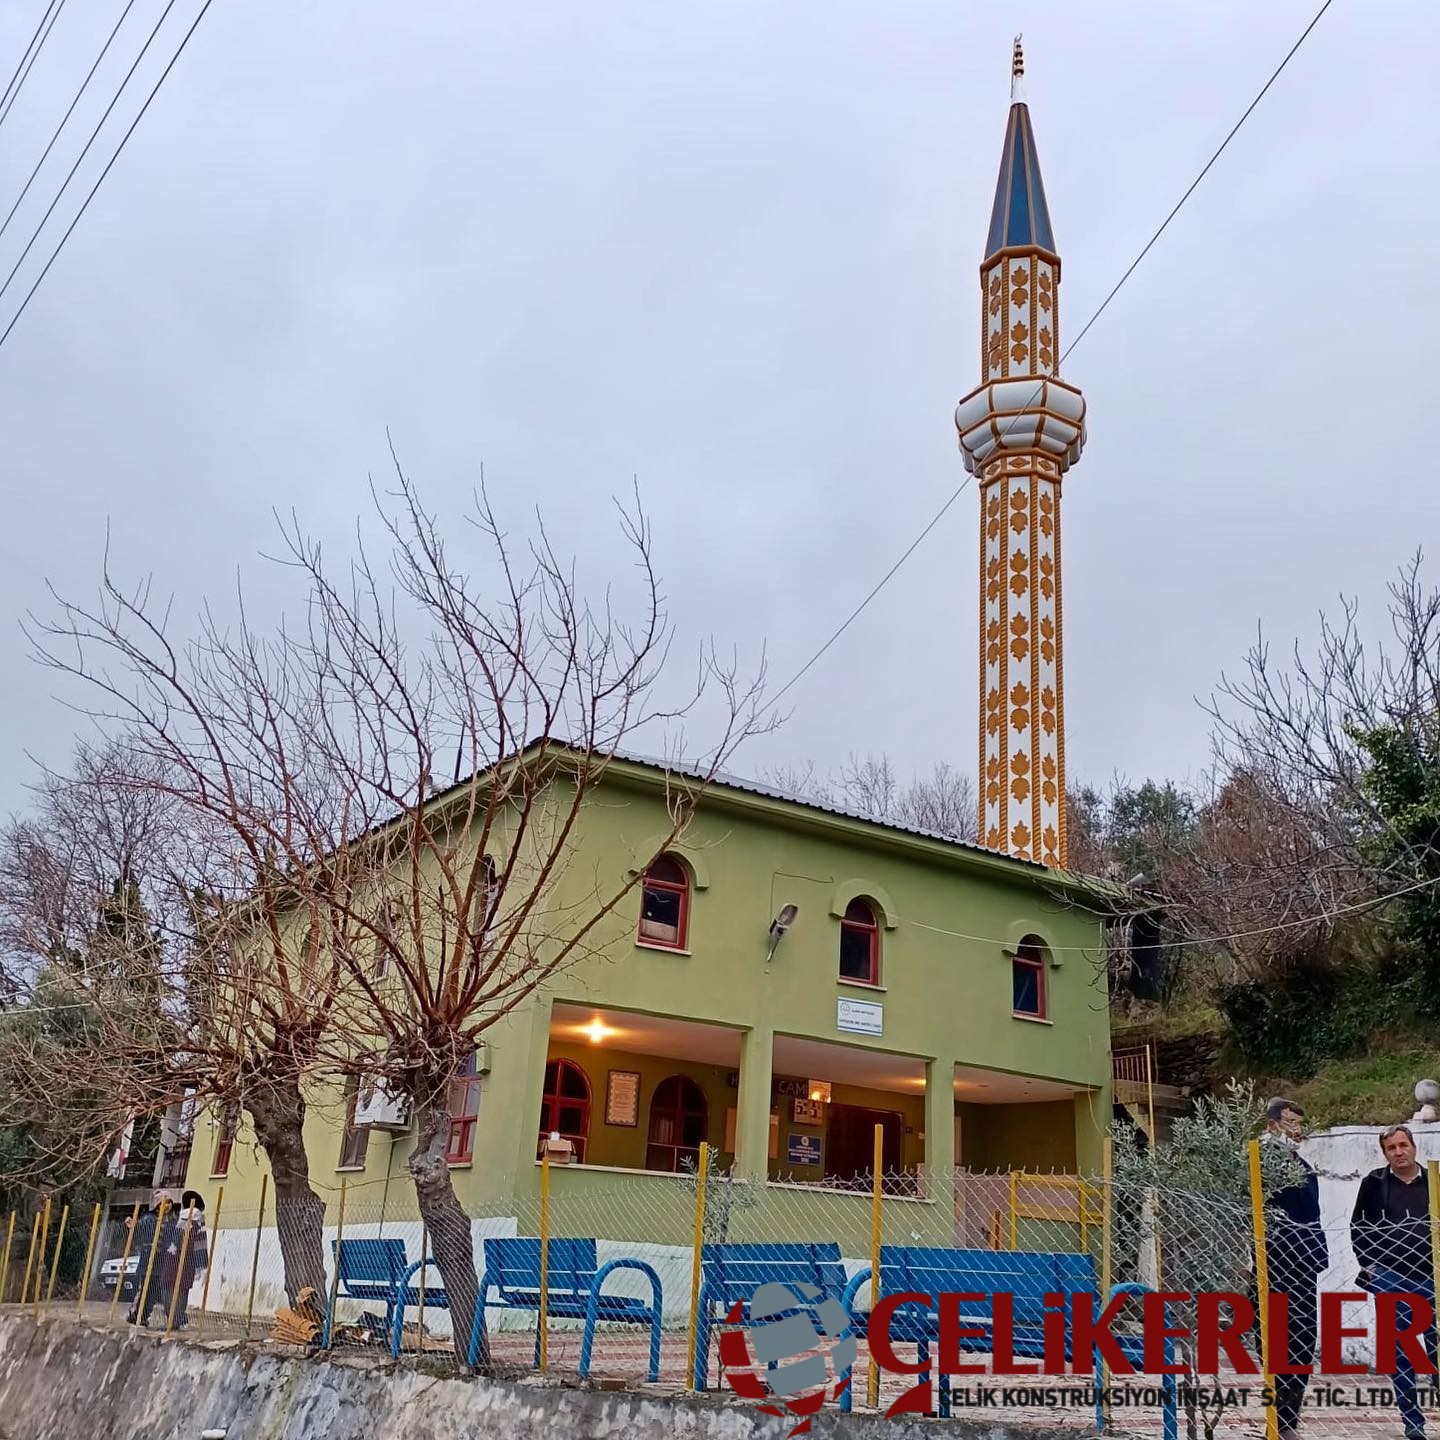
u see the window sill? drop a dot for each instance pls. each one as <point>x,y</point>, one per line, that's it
<point>219,1175</point>
<point>862,985</point>
<point>461,1164</point>
<point>664,950</point>
<point>349,1169</point>
<point>1030,1019</point>
<point>623,1170</point>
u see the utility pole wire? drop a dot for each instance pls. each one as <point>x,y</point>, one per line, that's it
<point>20,85</point>
<point>1065,354</point>
<point>180,50</point>
<point>79,95</point>
<point>20,64</point>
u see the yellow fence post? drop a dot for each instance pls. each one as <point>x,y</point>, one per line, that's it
<point>544,1313</point>
<point>872,1379</point>
<point>179,1284</point>
<point>210,1261</point>
<point>1262,1284</point>
<point>124,1263</point>
<point>1107,1217</point>
<point>30,1257</point>
<point>335,1277</point>
<point>89,1259</point>
<point>55,1261</point>
<point>424,1248</point>
<point>693,1336</point>
<point>1432,1184</point>
<point>5,1263</point>
<point>40,1261</point>
<point>142,1313</point>
<point>255,1262</point>
<point>1015,1178</point>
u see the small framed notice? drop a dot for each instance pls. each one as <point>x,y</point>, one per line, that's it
<point>622,1098</point>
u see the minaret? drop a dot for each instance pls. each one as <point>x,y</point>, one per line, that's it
<point>1020,430</point>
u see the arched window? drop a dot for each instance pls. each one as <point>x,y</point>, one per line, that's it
<point>665,904</point>
<point>1028,979</point>
<point>860,944</point>
<point>565,1106</point>
<point>679,1121</point>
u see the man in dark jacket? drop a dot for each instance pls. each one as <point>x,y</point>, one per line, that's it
<point>1296,1253</point>
<point>1390,1231</point>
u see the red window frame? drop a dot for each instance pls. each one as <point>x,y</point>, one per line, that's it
<point>860,919</point>
<point>1029,956</point>
<point>225,1145</point>
<point>666,875</point>
<point>464,1112</point>
<point>677,1099</point>
<point>554,1099</point>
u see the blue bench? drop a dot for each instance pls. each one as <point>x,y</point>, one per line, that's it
<point>731,1274</point>
<point>573,1289</point>
<point>377,1270</point>
<point>1027,1276</point>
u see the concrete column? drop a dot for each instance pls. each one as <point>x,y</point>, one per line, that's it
<point>752,1123</point>
<point>939,1126</point>
<point>1092,1125</point>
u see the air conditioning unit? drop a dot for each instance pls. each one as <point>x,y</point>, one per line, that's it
<point>378,1108</point>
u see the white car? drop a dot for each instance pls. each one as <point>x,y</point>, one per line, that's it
<point>110,1275</point>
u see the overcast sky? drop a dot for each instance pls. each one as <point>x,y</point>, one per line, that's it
<point>732,250</point>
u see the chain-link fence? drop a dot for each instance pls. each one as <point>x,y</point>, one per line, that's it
<point>620,1293</point>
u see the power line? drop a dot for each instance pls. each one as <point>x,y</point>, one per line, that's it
<point>70,229</point>
<point>20,64</point>
<point>79,95</point>
<point>1066,353</point>
<point>94,135</point>
<point>20,85</point>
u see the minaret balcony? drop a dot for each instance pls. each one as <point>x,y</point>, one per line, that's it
<point>1006,417</point>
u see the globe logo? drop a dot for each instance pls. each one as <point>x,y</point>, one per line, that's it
<point>802,1336</point>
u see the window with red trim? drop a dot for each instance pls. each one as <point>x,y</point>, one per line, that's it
<point>665,904</point>
<point>679,1122</point>
<point>225,1144</point>
<point>464,1110</point>
<point>860,944</point>
<point>1028,979</point>
<point>565,1106</point>
<point>355,1142</point>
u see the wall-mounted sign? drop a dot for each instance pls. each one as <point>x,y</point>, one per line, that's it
<point>622,1098</point>
<point>802,1149</point>
<point>808,1112</point>
<point>789,1085</point>
<point>860,1017</point>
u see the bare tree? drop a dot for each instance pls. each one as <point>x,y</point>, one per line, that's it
<point>133,899</point>
<point>1310,728</point>
<point>406,780</point>
<point>941,802</point>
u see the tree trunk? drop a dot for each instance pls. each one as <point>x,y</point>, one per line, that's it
<point>277,1111</point>
<point>446,1223</point>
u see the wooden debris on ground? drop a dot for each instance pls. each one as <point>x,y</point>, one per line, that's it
<point>304,1324</point>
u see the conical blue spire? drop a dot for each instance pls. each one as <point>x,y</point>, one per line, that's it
<point>1020,215</point>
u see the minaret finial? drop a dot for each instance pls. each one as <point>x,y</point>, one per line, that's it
<point>1017,73</point>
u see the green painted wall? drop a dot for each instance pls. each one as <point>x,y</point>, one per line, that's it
<point>1038,1137</point>
<point>949,915</point>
